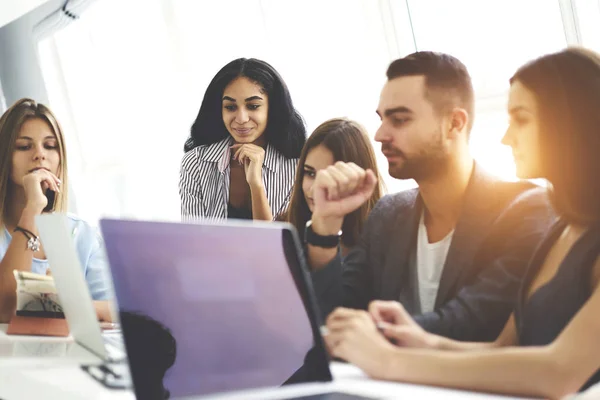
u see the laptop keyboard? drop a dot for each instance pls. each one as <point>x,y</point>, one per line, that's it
<point>115,346</point>
<point>113,339</point>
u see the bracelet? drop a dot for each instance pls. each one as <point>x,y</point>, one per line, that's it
<point>33,242</point>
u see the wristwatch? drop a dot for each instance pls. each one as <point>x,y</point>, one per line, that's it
<point>327,242</point>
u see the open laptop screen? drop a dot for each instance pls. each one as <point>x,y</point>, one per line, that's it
<point>218,307</point>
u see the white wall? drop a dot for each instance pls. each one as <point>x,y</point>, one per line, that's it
<point>20,73</point>
<point>13,9</point>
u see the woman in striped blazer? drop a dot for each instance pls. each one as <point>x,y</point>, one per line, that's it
<point>338,139</point>
<point>241,156</point>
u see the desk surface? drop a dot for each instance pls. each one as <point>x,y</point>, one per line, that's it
<point>48,368</point>
<point>41,351</point>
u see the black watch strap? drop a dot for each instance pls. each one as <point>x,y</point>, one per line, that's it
<point>314,239</point>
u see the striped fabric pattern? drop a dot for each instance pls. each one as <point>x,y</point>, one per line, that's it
<point>204,181</point>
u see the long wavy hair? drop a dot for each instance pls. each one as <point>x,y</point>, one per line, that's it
<point>348,141</point>
<point>10,126</point>
<point>566,86</point>
<point>285,127</point>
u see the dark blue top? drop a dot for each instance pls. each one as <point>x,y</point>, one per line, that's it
<point>238,213</point>
<point>542,317</point>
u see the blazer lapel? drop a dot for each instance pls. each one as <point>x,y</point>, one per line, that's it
<point>401,244</point>
<point>470,231</point>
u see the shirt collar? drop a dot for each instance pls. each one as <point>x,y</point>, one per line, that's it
<point>272,158</point>
<point>217,153</point>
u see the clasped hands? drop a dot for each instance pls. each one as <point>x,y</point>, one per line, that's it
<point>367,339</point>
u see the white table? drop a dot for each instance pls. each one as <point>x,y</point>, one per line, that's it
<point>54,373</point>
<point>41,351</point>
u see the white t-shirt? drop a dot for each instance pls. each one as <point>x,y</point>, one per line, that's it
<point>430,264</point>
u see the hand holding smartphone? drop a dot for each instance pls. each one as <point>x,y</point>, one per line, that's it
<point>51,196</point>
<point>41,182</point>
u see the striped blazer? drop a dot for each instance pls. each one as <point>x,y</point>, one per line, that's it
<point>204,180</point>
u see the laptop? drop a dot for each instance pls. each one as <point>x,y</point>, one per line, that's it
<point>75,298</point>
<point>211,309</point>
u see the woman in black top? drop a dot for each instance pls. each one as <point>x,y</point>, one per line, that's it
<point>335,140</point>
<point>550,346</point>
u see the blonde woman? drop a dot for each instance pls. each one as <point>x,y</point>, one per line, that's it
<point>33,180</point>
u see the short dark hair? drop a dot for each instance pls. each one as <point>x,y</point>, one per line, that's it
<point>285,127</point>
<point>566,86</point>
<point>348,141</point>
<point>447,81</point>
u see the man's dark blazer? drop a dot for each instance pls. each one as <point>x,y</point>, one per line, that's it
<point>499,228</point>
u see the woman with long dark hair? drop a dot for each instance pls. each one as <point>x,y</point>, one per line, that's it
<point>241,156</point>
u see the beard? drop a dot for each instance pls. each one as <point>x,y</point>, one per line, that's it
<point>430,162</point>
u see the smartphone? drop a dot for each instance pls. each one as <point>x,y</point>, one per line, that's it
<point>51,196</point>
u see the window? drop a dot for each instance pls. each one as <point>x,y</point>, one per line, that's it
<point>587,14</point>
<point>492,38</point>
<point>127,79</point>
<point>115,89</point>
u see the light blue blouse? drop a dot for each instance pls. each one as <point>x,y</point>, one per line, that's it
<point>90,251</point>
